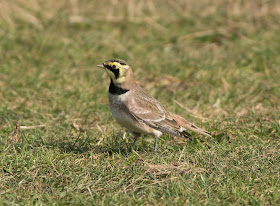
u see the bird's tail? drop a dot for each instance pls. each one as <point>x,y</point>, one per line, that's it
<point>189,126</point>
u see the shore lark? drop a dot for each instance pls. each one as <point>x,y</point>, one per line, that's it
<point>137,111</point>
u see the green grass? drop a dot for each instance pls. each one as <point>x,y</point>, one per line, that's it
<point>215,63</point>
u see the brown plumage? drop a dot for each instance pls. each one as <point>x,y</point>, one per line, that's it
<point>137,111</point>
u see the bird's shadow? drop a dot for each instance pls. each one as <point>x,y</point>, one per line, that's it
<point>114,145</point>
<point>86,144</point>
<point>99,149</point>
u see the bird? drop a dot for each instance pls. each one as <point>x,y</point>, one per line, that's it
<point>137,111</point>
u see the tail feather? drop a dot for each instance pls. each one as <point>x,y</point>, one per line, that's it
<point>186,135</point>
<point>189,126</point>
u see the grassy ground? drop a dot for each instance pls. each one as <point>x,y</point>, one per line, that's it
<point>214,62</point>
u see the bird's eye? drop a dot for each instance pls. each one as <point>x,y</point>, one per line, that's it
<point>114,66</point>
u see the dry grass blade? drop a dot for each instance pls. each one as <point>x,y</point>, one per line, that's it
<point>14,136</point>
<point>16,131</point>
<point>33,127</point>
<point>102,134</point>
<point>194,114</point>
<point>78,127</point>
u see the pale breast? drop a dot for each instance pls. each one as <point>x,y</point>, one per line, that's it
<point>124,117</point>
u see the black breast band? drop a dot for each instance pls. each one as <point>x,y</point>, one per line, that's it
<point>113,89</point>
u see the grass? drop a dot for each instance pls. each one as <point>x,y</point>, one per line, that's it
<point>214,62</point>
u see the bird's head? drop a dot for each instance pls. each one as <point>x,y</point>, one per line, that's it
<point>117,69</point>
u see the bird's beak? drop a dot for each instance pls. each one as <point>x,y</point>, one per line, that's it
<point>101,66</point>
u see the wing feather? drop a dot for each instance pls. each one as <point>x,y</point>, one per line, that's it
<point>149,111</point>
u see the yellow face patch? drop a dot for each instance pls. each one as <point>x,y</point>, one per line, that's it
<point>117,64</point>
<point>116,71</point>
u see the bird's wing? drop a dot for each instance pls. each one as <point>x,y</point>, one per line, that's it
<point>149,111</point>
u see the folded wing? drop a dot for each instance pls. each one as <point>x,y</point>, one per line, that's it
<point>149,111</point>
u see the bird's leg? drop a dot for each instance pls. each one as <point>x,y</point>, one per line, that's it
<point>136,136</point>
<point>156,140</point>
<point>135,140</point>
